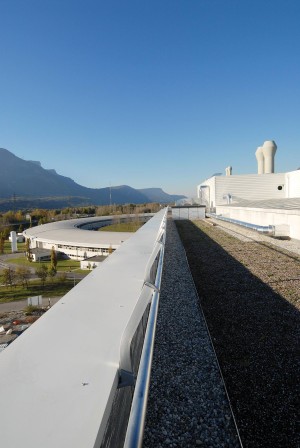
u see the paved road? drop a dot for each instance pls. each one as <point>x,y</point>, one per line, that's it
<point>21,304</point>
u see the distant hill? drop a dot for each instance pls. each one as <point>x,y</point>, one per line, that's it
<point>26,182</point>
<point>158,195</point>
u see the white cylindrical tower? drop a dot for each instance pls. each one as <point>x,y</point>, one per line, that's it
<point>260,160</point>
<point>228,171</point>
<point>13,238</point>
<point>269,149</point>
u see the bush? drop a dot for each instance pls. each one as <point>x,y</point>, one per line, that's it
<point>62,277</point>
<point>30,309</point>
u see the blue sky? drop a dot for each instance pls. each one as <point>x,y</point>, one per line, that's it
<point>150,93</point>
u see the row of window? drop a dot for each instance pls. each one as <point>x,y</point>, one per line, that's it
<point>86,249</point>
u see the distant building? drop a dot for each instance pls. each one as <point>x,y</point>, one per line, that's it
<point>40,254</point>
<point>75,238</point>
<point>92,262</point>
<point>185,211</point>
<point>252,197</point>
<point>19,238</point>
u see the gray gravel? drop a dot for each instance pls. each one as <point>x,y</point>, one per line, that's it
<point>249,292</point>
<point>187,405</point>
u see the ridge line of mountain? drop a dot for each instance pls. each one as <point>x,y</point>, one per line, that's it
<point>26,181</point>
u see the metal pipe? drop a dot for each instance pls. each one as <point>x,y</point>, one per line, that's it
<point>136,422</point>
<point>268,230</point>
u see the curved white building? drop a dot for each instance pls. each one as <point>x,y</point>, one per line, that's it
<point>75,238</point>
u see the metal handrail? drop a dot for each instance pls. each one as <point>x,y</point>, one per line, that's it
<point>136,422</point>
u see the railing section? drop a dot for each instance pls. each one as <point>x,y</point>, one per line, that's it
<point>79,376</point>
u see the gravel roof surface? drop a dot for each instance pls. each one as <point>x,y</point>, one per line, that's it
<point>187,404</point>
<point>249,289</point>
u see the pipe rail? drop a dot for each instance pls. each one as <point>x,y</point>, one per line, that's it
<point>267,230</point>
<point>125,426</point>
<point>136,422</point>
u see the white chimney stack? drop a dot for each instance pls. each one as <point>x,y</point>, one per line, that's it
<point>228,171</point>
<point>269,149</point>
<point>260,160</point>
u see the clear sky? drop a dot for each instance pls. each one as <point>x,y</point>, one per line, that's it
<point>150,93</point>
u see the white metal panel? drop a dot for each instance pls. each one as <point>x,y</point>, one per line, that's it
<point>206,191</point>
<point>250,187</point>
<point>293,181</point>
<point>59,377</point>
<point>290,218</point>
<point>188,213</point>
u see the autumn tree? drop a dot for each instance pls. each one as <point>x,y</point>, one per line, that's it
<point>8,277</point>
<point>63,277</point>
<point>53,260</point>
<point>42,273</point>
<point>23,274</point>
<point>28,251</point>
<point>51,272</point>
<point>2,241</point>
<point>5,231</point>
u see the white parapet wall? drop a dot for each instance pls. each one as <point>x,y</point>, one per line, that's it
<point>59,378</point>
<point>286,222</point>
<point>188,212</point>
<point>292,182</point>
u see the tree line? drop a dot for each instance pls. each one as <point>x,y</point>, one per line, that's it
<point>20,220</point>
<point>15,220</point>
<point>21,275</point>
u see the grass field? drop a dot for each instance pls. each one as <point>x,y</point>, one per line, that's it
<point>123,227</point>
<point>62,265</point>
<point>51,289</point>
<point>7,247</point>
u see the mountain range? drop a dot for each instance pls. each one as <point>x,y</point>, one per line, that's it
<point>26,184</point>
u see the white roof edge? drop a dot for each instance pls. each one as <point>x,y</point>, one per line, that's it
<point>57,377</point>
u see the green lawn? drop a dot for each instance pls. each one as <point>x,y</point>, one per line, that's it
<point>51,289</point>
<point>122,227</point>
<point>7,247</point>
<point>62,265</point>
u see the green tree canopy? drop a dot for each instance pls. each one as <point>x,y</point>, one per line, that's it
<point>23,274</point>
<point>42,273</point>
<point>8,277</point>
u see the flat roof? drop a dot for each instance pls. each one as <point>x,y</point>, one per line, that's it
<point>96,258</point>
<point>69,232</point>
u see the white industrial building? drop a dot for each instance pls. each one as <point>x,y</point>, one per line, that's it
<point>265,198</point>
<point>75,239</point>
